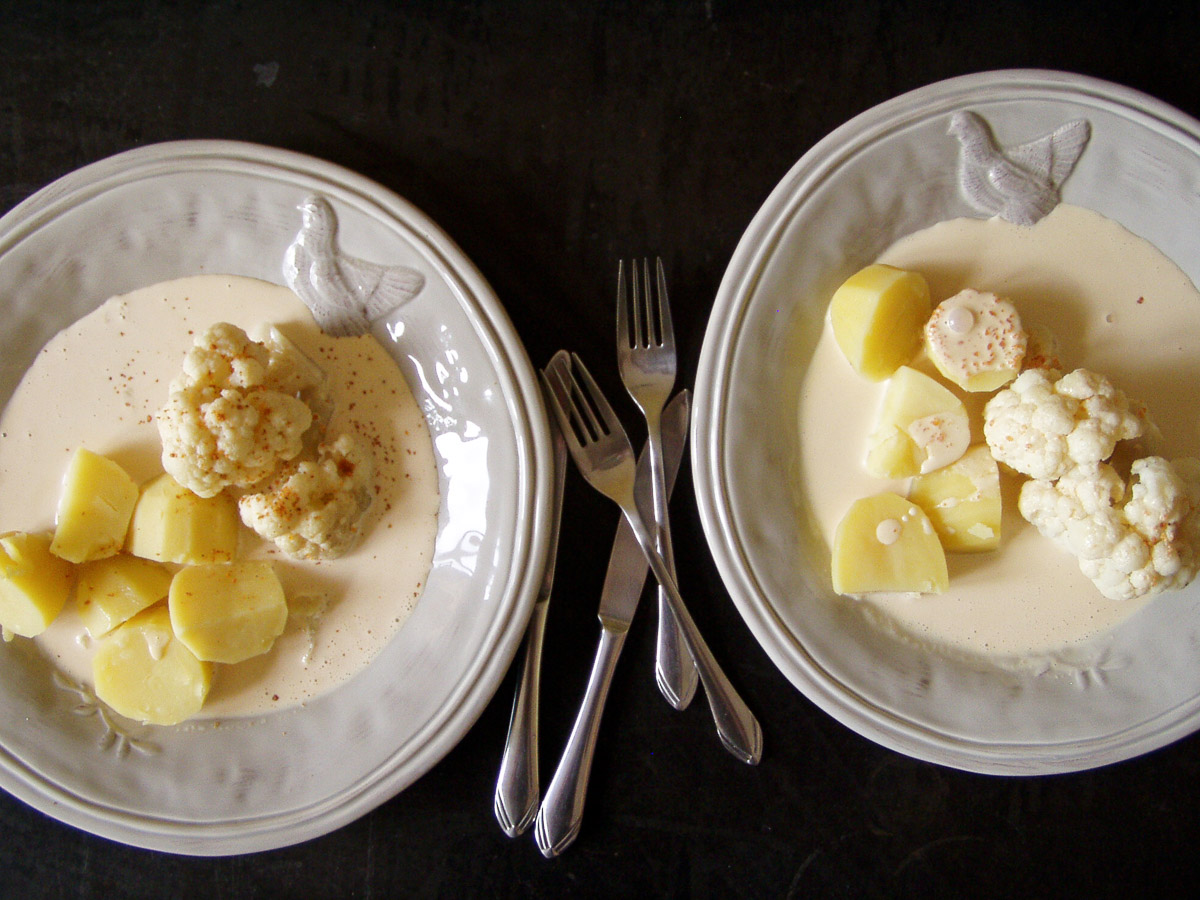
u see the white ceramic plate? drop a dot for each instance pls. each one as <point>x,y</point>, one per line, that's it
<point>188,208</point>
<point>885,174</point>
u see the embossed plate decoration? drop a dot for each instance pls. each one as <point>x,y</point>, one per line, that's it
<point>889,172</point>
<point>244,785</point>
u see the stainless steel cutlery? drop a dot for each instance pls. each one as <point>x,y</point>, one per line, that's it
<point>561,812</point>
<point>585,425</point>
<point>603,454</point>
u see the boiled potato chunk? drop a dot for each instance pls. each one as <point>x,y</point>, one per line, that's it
<point>228,612</point>
<point>891,453</point>
<point>887,543</point>
<point>975,340</point>
<point>877,315</point>
<point>34,584</point>
<point>144,672</point>
<point>94,508</point>
<point>172,524</point>
<point>110,591</point>
<point>963,502</point>
<point>921,426</point>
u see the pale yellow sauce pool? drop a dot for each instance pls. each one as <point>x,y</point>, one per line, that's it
<point>98,384</point>
<point>1117,306</point>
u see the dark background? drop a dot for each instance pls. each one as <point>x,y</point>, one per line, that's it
<point>550,139</point>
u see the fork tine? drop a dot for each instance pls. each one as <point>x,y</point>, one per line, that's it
<point>666,331</point>
<point>648,315</point>
<point>556,393</point>
<point>574,406</point>
<point>582,409</point>
<point>641,323</point>
<point>599,403</point>
<point>623,336</point>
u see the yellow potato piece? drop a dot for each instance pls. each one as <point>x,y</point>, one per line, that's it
<point>144,672</point>
<point>887,543</point>
<point>172,524</point>
<point>877,315</point>
<point>228,612</point>
<point>891,453</point>
<point>963,501</point>
<point>110,591</point>
<point>34,584</point>
<point>94,508</point>
<point>975,340</point>
<point>921,426</point>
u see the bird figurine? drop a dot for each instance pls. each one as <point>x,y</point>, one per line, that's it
<point>343,293</point>
<point>1020,184</point>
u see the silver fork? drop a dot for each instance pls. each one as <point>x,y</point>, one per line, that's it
<point>646,358</point>
<point>602,451</point>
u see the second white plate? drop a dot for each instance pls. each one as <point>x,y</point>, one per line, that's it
<point>890,172</point>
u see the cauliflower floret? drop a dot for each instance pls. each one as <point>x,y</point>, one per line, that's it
<point>290,370</point>
<point>1131,547</point>
<point>225,356</point>
<point>1043,427</point>
<point>229,420</point>
<point>1078,512</point>
<point>313,509</point>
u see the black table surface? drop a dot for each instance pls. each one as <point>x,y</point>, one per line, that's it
<point>551,139</point>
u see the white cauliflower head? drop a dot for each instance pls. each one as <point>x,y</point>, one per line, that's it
<point>314,509</point>
<point>229,419</point>
<point>1043,426</point>
<point>1131,541</point>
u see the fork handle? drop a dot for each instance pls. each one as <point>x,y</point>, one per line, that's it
<point>561,812</point>
<point>516,799</point>
<point>736,726</point>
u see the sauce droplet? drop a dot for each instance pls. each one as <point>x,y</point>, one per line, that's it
<point>888,531</point>
<point>960,320</point>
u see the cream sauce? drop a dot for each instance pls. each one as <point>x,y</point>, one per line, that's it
<point>1117,306</point>
<point>98,384</point>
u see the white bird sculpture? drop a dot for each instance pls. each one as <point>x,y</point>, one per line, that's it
<point>343,293</point>
<point>1020,184</point>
